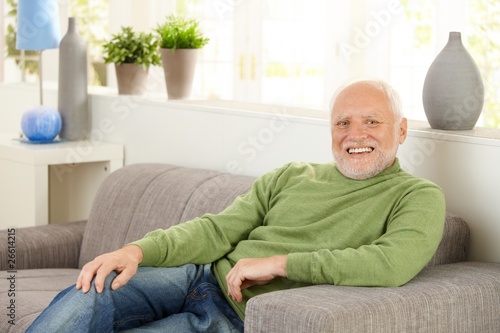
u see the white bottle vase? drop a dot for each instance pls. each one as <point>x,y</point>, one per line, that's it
<point>73,91</point>
<point>453,92</point>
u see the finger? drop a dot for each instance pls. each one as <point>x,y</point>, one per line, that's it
<point>122,278</point>
<point>234,282</point>
<point>79,281</point>
<point>237,295</point>
<point>250,283</point>
<point>100,277</point>
<point>86,275</point>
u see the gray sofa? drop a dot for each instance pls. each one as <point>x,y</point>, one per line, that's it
<point>449,295</point>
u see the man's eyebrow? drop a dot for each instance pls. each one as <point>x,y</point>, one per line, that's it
<point>342,116</point>
<point>370,115</point>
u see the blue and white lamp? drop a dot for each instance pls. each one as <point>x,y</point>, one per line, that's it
<point>38,29</point>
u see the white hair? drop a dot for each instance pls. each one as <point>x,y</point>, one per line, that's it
<point>391,93</point>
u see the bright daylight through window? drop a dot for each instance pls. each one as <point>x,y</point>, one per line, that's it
<point>296,52</point>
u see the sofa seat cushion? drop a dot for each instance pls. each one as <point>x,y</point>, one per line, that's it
<point>34,290</point>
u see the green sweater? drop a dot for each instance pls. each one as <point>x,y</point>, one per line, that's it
<point>376,232</point>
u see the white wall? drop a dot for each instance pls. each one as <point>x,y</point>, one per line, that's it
<point>467,169</point>
<point>208,136</point>
<point>218,135</point>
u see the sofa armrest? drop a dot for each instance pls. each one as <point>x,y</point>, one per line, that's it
<point>446,298</point>
<point>47,246</point>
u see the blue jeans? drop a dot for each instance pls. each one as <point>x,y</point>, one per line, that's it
<point>179,299</point>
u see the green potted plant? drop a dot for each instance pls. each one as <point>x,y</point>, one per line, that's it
<point>132,53</point>
<point>180,39</point>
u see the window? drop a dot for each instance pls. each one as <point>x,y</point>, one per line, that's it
<point>296,52</point>
<point>484,45</point>
<point>92,25</point>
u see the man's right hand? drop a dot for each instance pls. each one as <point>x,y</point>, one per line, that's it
<point>124,261</point>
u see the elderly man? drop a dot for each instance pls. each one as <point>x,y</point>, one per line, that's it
<point>362,221</point>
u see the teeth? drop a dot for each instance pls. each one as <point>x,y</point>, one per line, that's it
<point>360,150</point>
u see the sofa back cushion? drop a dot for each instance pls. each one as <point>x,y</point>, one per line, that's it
<point>143,197</point>
<point>140,198</point>
<point>454,243</point>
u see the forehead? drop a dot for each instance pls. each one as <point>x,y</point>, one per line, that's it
<point>362,100</point>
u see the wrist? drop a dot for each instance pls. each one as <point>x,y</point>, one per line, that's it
<point>281,265</point>
<point>134,252</point>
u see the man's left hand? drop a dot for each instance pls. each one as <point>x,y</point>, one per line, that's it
<point>254,271</point>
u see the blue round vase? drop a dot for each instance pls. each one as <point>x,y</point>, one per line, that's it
<point>41,124</point>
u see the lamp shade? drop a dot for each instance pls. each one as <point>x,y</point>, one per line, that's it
<point>38,25</point>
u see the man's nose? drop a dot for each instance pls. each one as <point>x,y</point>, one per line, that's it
<point>358,131</point>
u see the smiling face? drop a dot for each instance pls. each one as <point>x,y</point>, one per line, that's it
<point>365,131</point>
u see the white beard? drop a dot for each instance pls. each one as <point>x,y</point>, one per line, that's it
<point>352,169</point>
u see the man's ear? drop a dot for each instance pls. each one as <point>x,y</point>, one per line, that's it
<point>403,130</point>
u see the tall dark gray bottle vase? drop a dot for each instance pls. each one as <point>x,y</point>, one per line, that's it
<point>73,91</point>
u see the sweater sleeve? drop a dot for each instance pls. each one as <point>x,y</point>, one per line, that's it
<point>211,236</point>
<point>413,233</point>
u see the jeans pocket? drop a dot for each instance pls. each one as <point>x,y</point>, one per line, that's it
<point>207,300</point>
<point>203,291</point>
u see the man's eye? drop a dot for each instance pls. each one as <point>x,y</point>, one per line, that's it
<point>343,124</point>
<point>372,123</point>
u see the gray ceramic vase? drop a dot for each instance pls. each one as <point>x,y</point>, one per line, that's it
<point>73,93</point>
<point>453,92</point>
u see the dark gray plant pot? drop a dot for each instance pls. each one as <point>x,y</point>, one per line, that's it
<point>453,92</point>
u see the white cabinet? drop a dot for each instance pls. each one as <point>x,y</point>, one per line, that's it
<point>52,183</point>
